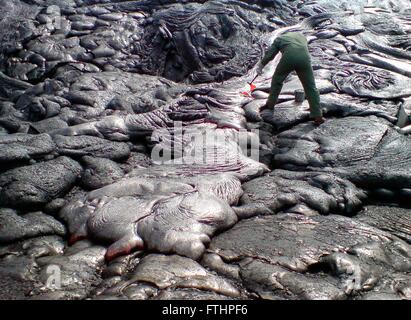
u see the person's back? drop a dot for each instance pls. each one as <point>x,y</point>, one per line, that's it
<point>292,42</point>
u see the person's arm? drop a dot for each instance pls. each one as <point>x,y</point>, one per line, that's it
<point>271,53</point>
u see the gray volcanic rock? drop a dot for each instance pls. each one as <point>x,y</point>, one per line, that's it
<point>286,114</point>
<point>187,110</point>
<point>300,192</point>
<point>91,146</point>
<point>371,82</point>
<point>135,161</point>
<point>143,103</point>
<point>291,113</point>
<point>34,247</point>
<point>273,282</point>
<point>392,219</point>
<point>23,147</point>
<point>202,150</point>
<point>345,106</point>
<point>100,172</point>
<point>179,272</point>
<point>365,151</point>
<point>177,39</point>
<point>77,270</point>
<point>38,184</point>
<point>129,92</point>
<point>11,88</point>
<point>14,227</point>
<point>293,241</point>
<point>49,124</point>
<point>168,215</point>
<point>297,257</point>
<point>168,277</point>
<point>18,267</point>
<point>189,295</point>
<point>13,289</point>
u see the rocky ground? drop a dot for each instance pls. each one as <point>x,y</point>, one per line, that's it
<point>90,90</point>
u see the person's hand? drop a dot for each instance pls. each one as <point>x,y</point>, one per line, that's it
<point>260,68</point>
<point>319,120</point>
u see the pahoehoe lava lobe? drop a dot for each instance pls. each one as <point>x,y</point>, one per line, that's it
<point>38,184</point>
<point>364,150</point>
<point>200,42</point>
<point>307,193</point>
<point>168,215</point>
<point>272,252</point>
<point>132,162</point>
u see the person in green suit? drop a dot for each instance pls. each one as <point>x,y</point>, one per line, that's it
<point>295,57</point>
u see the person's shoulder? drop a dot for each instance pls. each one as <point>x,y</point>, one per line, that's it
<point>294,34</point>
<point>300,35</point>
<point>287,35</point>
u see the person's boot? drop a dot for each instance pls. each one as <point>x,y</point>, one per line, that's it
<point>266,107</point>
<point>319,120</point>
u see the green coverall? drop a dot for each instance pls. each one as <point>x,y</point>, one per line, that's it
<point>295,57</point>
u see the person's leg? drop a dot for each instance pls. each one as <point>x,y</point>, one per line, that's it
<point>306,76</point>
<point>281,72</point>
